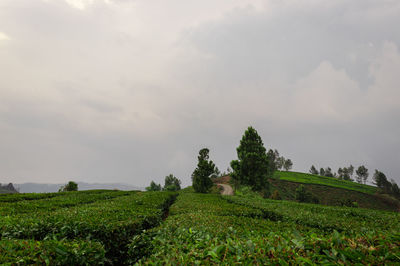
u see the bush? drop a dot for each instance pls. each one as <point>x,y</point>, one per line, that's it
<point>276,196</point>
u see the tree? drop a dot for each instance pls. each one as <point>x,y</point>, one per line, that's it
<point>201,180</point>
<point>288,164</point>
<point>253,167</point>
<point>153,187</point>
<point>172,183</point>
<point>313,170</point>
<point>71,186</point>
<point>351,170</point>
<point>381,181</point>
<point>322,171</point>
<point>328,172</point>
<point>362,174</point>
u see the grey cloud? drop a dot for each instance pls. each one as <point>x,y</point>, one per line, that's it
<point>123,93</point>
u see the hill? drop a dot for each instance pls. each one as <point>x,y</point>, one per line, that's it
<point>328,190</point>
<point>323,180</point>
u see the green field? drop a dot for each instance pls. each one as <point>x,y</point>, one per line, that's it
<point>323,180</point>
<point>211,229</point>
<point>125,228</point>
<point>89,227</point>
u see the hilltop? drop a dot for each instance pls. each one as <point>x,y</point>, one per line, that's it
<point>329,191</point>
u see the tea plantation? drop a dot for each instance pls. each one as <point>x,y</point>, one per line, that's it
<point>125,228</point>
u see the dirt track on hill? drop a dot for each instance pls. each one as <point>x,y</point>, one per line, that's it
<point>227,189</point>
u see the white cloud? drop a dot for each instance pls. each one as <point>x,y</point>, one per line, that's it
<point>4,37</point>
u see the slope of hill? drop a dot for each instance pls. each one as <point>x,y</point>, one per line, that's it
<point>323,180</point>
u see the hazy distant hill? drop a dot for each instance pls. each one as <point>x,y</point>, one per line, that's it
<point>39,188</point>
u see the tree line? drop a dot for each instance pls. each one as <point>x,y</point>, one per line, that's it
<point>346,173</point>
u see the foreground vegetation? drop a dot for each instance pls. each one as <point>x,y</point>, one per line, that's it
<point>211,229</point>
<point>89,227</point>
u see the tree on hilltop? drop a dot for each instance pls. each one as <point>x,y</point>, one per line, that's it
<point>153,187</point>
<point>288,164</point>
<point>201,177</point>
<point>253,167</point>
<point>172,183</point>
<point>71,186</point>
<point>362,174</point>
<point>313,170</point>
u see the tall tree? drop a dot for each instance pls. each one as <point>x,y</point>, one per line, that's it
<point>381,181</point>
<point>328,172</point>
<point>153,187</point>
<point>172,183</point>
<point>362,174</point>
<point>253,167</point>
<point>351,170</point>
<point>288,164</point>
<point>201,177</point>
<point>322,171</point>
<point>313,170</point>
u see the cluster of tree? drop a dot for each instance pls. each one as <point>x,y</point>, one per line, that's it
<point>279,162</point>
<point>252,168</point>
<point>8,188</point>
<point>71,186</point>
<point>345,173</point>
<point>171,183</point>
<point>389,187</point>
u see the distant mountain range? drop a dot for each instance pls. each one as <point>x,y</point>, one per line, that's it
<point>41,188</point>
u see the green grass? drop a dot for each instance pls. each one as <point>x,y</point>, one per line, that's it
<point>323,180</point>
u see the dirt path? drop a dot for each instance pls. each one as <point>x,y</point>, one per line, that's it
<point>227,189</point>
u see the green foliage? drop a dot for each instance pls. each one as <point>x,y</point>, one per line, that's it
<point>288,164</point>
<point>362,174</point>
<point>302,195</point>
<point>252,167</point>
<point>314,171</point>
<point>210,229</point>
<point>153,187</point>
<point>51,252</point>
<point>111,218</point>
<point>275,195</point>
<point>324,180</point>
<point>201,177</point>
<point>172,183</point>
<point>71,186</point>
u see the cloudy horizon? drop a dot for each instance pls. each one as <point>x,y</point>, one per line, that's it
<point>129,90</point>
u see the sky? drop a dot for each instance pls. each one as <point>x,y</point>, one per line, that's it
<point>130,90</point>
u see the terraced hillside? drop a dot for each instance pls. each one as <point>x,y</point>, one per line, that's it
<point>213,229</point>
<point>76,228</point>
<point>323,180</point>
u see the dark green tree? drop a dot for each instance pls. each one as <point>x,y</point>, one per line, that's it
<point>153,187</point>
<point>313,170</point>
<point>253,167</point>
<point>381,181</point>
<point>71,186</point>
<point>328,172</point>
<point>322,171</point>
<point>362,174</point>
<point>288,164</point>
<point>201,177</point>
<point>172,183</point>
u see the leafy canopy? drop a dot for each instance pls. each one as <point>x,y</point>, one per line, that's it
<point>253,168</point>
<point>201,177</point>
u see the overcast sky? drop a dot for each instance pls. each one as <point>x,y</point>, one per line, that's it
<point>130,90</point>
